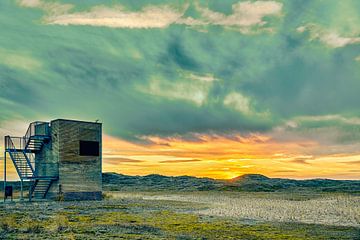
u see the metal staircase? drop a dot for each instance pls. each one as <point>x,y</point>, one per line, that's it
<point>36,136</point>
<point>22,165</point>
<point>40,187</point>
<point>22,151</point>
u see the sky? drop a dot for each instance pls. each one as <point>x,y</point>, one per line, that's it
<point>204,88</point>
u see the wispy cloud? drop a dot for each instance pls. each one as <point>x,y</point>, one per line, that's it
<point>238,102</point>
<point>285,171</point>
<point>328,37</point>
<point>232,155</point>
<point>19,60</point>
<point>181,161</point>
<point>244,105</point>
<point>334,117</point>
<point>205,95</point>
<point>116,160</point>
<point>204,78</point>
<point>51,8</point>
<point>244,15</point>
<point>186,89</point>
<point>115,16</point>
<point>300,160</point>
<point>357,162</point>
<point>30,3</point>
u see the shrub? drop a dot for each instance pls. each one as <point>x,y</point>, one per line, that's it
<point>32,225</point>
<point>106,196</point>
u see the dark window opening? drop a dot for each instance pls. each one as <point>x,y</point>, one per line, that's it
<point>89,148</point>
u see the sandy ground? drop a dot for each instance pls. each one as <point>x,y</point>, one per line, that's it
<point>336,210</point>
<point>186,215</point>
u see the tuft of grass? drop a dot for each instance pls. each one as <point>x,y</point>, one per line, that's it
<point>61,223</point>
<point>106,196</point>
<point>60,198</point>
<point>31,225</point>
<point>8,223</point>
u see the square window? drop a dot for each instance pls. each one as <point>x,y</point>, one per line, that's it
<point>89,148</point>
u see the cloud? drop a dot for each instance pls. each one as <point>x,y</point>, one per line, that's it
<point>331,134</point>
<point>334,117</point>
<point>181,161</point>
<point>202,93</point>
<point>116,160</point>
<point>204,78</point>
<point>114,17</point>
<point>244,105</point>
<point>353,162</point>
<point>51,8</point>
<point>219,155</point>
<point>330,38</point>
<point>245,15</point>
<point>238,102</point>
<point>183,89</point>
<point>30,3</point>
<point>300,160</point>
<point>19,60</point>
<point>335,41</point>
<point>117,17</point>
<point>285,171</point>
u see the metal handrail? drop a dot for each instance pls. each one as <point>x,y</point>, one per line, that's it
<point>31,158</point>
<point>11,147</point>
<point>9,143</point>
<point>31,131</point>
<point>32,127</point>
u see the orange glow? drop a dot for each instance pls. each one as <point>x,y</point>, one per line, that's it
<point>222,158</point>
<point>225,158</point>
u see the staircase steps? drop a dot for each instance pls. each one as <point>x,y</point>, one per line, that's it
<point>35,143</point>
<point>22,164</point>
<point>35,138</point>
<point>40,187</point>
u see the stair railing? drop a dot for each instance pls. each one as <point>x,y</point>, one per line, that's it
<point>9,143</point>
<point>32,188</point>
<point>31,158</point>
<point>32,127</point>
<point>12,148</point>
<point>31,131</point>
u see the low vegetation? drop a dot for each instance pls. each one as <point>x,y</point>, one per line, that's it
<point>160,207</point>
<point>245,183</point>
<point>175,215</point>
<point>327,209</point>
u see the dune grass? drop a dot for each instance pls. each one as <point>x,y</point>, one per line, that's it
<point>140,218</point>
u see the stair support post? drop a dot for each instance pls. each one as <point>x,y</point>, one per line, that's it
<point>30,192</point>
<point>4,175</point>
<point>21,192</point>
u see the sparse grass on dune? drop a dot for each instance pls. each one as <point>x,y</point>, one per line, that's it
<point>143,216</point>
<point>328,209</point>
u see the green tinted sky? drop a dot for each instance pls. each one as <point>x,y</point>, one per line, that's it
<point>286,69</point>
